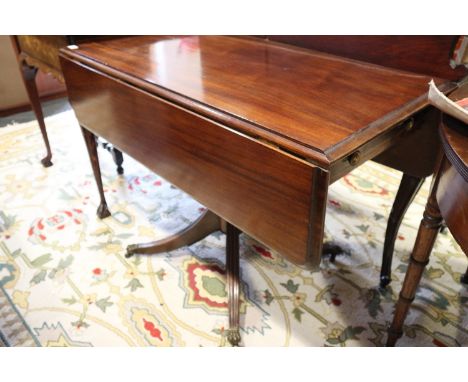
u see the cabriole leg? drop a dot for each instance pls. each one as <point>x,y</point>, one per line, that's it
<point>90,140</point>
<point>29,77</point>
<point>408,189</point>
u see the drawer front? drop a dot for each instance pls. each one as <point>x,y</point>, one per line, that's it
<point>264,192</point>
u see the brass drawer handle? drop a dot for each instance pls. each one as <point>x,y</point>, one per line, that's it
<point>354,158</point>
<point>409,125</point>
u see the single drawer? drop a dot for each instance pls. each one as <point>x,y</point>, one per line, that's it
<point>267,193</point>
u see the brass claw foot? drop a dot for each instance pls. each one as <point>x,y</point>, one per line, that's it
<point>233,336</point>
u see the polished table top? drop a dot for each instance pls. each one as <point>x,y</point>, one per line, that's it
<point>313,104</point>
<point>255,131</point>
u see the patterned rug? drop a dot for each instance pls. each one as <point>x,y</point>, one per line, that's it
<point>64,280</point>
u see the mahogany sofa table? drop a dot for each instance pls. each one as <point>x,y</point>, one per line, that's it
<point>254,130</point>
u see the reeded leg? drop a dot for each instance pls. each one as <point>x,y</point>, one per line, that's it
<point>232,269</point>
<point>408,189</point>
<point>29,77</point>
<point>206,224</point>
<point>427,234</point>
<point>90,140</point>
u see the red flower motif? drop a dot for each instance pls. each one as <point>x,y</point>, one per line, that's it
<point>263,252</point>
<point>153,331</point>
<point>401,237</point>
<point>336,301</point>
<point>335,203</point>
<point>436,342</point>
<point>97,271</point>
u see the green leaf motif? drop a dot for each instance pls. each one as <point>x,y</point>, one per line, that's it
<point>98,247</point>
<point>378,216</point>
<point>64,263</point>
<point>104,303</point>
<point>363,227</point>
<point>41,260</point>
<point>217,331</point>
<point>290,286</point>
<point>161,273</point>
<point>6,221</point>
<point>17,252</point>
<point>351,332</point>
<point>268,297</point>
<point>346,234</point>
<point>334,341</point>
<point>434,273</point>
<point>297,314</point>
<point>373,303</point>
<point>39,277</point>
<point>70,301</point>
<point>402,268</point>
<point>134,284</point>
<point>80,324</point>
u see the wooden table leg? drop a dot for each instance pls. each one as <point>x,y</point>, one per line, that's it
<point>90,140</point>
<point>427,234</point>
<point>232,270</point>
<point>408,189</point>
<point>29,78</point>
<point>206,224</point>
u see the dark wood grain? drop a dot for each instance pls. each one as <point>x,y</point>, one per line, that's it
<point>448,201</point>
<point>91,145</point>
<point>313,104</point>
<point>408,189</point>
<point>427,235</point>
<point>416,153</point>
<point>261,190</point>
<point>452,197</point>
<point>29,78</point>
<point>428,55</point>
<point>452,193</point>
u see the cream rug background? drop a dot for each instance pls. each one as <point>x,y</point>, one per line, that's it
<point>64,280</point>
